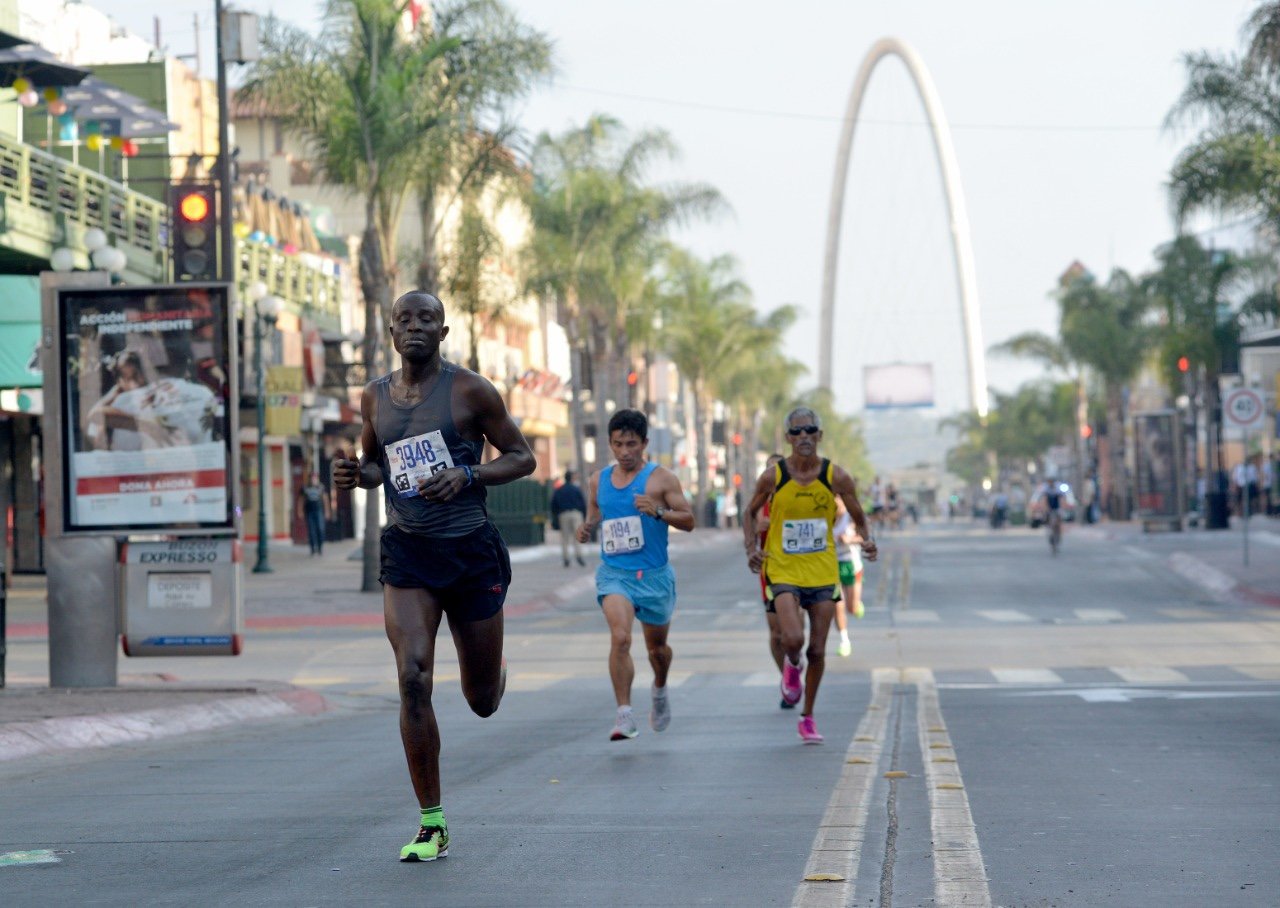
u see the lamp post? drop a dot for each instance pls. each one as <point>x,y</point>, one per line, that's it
<point>266,308</point>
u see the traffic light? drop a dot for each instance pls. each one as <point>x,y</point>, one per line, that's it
<point>195,232</point>
<point>1086,431</point>
<point>1183,364</point>
<point>737,438</point>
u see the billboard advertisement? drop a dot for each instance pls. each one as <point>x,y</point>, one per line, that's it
<point>1157,468</point>
<point>898,385</point>
<point>146,400</point>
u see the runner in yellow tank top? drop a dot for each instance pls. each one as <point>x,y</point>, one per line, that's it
<point>799,554</point>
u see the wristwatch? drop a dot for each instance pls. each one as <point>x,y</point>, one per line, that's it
<point>659,511</point>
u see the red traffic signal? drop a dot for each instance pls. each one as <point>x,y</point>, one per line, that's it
<point>632,378</point>
<point>1086,431</point>
<point>1183,364</point>
<point>195,233</point>
<point>737,438</point>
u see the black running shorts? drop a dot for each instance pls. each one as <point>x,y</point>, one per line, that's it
<point>468,575</point>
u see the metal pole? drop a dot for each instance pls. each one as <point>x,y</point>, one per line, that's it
<point>264,565</point>
<point>226,238</point>
<point>1244,497</point>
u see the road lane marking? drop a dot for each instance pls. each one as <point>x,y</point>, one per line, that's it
<point>1190,612</point>
<point>1149,674</point>
<point>1100,614</point>
<point>918,616</point>
<point>1260,672</point>
<point>1005,615</point>
<point>959,874</point>
<point>1026,676</point>
<point>837,847</point>
<point>762,679</point>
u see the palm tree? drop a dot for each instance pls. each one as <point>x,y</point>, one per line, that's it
<point>1202,293</point>
<point>354,95</point>
<point>474,290</point>
<point>1105,327</point>
<point>1233,164</point>
<point>492,61</point>
<point>709,324</point>
<point>1054,355</point>
<point>593,215</point>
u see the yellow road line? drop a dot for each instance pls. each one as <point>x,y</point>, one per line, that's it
<point>959,875</point>
<point>832,868</point>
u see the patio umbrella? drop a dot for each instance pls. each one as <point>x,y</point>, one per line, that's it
<point>8,39</point>
<point>37,65</point>
<point>117,111</point>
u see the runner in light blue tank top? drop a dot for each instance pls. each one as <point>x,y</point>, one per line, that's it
<point>629,540</point>
<point>634,503</point>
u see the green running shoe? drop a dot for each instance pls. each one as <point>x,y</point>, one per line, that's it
<point>432,842</point>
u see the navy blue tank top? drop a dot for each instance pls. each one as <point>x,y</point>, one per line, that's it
<point>419,440</point>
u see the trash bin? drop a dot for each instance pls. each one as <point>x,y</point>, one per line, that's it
<point>1215,506</point>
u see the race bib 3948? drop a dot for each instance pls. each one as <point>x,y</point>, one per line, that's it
<point>414,459</point>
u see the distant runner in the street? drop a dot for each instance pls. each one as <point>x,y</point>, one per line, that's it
<point>634,503</point>
<point>425,427</point>
<point>799,554</point>
<point>849,560</point>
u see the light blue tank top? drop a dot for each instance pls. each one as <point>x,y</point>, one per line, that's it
<point>629,540</point>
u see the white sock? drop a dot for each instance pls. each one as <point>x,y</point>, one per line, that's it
<point>624,712</point>
<point>844,636</point>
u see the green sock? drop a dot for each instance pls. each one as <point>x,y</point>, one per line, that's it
<point>434,816</point>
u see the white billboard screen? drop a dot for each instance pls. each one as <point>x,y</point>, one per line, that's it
<point>898,385</point>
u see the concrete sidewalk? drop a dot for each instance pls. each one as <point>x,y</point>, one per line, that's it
<point>1211,559</point>
<point>301,592</point>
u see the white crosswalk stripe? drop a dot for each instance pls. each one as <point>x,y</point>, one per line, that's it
<point>1100,614</point>
<point>1005,615</point>
<point>1026,676</point>
<point>1149,674</point>
<point>917,616</point>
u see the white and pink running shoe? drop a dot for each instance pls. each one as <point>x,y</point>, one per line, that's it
<point>808,731</point>
<point>792,681</point>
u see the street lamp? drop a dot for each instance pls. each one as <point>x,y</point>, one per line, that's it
<point>266,308</point>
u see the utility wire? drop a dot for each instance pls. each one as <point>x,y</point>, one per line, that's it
<point>827,118</point>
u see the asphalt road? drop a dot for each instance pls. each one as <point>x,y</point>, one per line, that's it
<point>1084,730</point>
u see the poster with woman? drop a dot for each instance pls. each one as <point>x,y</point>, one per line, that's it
<point>147,405</point>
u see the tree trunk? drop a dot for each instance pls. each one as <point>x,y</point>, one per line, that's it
<point>376,287</point>
<point>702,421</point>
<point>1115,437</point>
<point>577,418</point>
<point>429,259</point>
<point>602,393</point>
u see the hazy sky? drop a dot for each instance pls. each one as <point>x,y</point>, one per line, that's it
<point>1055,108</point>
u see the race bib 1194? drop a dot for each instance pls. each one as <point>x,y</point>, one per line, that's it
<point>413,459</point>
<point>799,537</point>
<point>621,535</point>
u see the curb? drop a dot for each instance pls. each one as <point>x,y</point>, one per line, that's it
<point>1219,584</point>
<point>21,740</point>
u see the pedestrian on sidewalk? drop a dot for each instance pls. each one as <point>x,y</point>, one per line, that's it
<point>313,507</point>
<point>568,507</point>
<point>635,502</point>
<point>425,429</point>
<point>799,554</point>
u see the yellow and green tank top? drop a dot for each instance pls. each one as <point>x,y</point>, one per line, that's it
<point>799,548</point>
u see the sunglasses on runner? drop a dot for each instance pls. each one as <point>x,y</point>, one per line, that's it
<point>803,430</point>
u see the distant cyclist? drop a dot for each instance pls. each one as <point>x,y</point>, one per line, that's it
<point>1053,496</point>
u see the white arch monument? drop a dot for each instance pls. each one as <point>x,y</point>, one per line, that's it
<point>965,275</point>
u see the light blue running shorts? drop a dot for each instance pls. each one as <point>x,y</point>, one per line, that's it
<point>652,592</point>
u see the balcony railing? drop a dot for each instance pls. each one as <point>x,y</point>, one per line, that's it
<point>312,293</point>
<point>44,183</point>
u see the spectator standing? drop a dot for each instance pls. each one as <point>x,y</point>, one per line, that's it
<point>567,510</point>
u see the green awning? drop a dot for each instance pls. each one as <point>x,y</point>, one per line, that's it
<point>19,332</point>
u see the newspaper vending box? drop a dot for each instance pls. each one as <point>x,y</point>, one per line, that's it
<point>182,597</point>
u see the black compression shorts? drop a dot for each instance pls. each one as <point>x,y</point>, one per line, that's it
<point>468,575</point>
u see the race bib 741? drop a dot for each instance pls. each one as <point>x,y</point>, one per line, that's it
<point>413,459</point>
<point>803,536</point>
